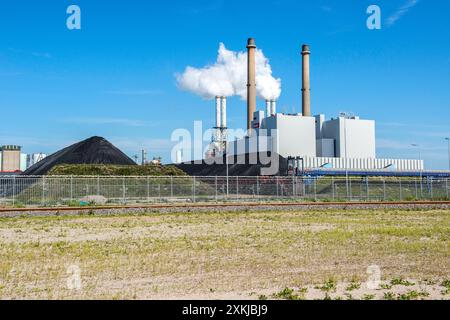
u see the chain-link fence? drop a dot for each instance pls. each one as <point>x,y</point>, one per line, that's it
<point>74,190</point>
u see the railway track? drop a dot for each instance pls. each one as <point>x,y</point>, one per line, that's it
<point>228,205</point>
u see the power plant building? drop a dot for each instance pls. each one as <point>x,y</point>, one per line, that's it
<point>344,142</point>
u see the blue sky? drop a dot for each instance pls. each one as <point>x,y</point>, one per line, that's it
<point>115,76</point>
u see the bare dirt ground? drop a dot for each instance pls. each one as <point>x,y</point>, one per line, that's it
<point>325,254</point>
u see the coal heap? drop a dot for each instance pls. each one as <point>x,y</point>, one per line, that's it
<point>95,150</point>
<point>235,167</point>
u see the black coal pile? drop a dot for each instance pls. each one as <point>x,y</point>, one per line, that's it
<point>95,150</point>
<point>239,166</point>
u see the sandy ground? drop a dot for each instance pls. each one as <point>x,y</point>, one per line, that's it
<point>326,254</point>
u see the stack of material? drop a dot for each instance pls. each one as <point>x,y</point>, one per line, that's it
<point>95,150</point>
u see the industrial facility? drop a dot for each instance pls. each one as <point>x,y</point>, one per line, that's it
<point>305,140</point>
<point>12,160</point>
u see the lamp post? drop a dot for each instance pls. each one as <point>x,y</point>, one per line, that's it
<point>448,141</point>
<point>418,148</point>
<point>345,116</point>
<point>421,178</point>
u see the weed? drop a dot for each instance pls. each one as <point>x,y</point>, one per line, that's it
<point>262,297</point>
<point>385,286</point>
<point>368,297</point>
<point>446,284</point>
<point>287,294</point>
<point>389,296</point>
<point>349,296</point>
<point>328,286</point>
<point>401,282</point>
<point>353,286</point>
<point>413,295</point>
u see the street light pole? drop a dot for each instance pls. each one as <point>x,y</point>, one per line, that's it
<point>448,141</point>
<point>346,157</point>
<point>421,171</point>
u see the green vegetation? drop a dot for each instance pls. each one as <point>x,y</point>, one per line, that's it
<point>329,285</point>
<point>114,170</point>
<point>353,286</point>
<point>412,295</point>
<point>401,282</point>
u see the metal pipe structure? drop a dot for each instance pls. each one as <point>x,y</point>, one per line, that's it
<point>224,112</point>
<point>268,108</point>
<point>218,112</point>
<point>306,88</point>
<point>251,82</point>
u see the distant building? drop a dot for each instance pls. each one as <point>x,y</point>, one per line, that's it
<point>346,142</point>
<point>156,161</point>
<point>23,162</point>
<point>34,158</point>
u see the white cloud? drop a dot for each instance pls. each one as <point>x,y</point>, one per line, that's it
<point>397,15</point>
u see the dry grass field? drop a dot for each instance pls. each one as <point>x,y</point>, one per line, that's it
<point>246,255</point>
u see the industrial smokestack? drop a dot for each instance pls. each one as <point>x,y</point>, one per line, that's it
<point>274,107</point>
<point>224,112</point>
<point>218,112</point>
<point>251,83</point>
<point>306,88</point>
<point>268,108</point>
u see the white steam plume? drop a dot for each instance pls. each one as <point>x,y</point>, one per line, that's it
<point>228,77</point>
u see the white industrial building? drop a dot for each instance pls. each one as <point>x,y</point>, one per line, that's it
<point>340,143</point>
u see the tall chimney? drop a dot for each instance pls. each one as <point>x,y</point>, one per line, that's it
<point>306,88</point>
<point>224,112</point>
<point>274,107</point>
<point>268,108</point>
<point>218,112</point>
<point>251,83</point>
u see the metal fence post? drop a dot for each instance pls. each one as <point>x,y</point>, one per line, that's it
<point>417,191</point>
<point>43,191</point>
<point>123,191</point>
<point>215,184</point>
<point>159,193</point>
<point>367,188</point>
<point>148,189</point>
<point>350,189</point>
<point>293,186</point>
<point>257,186</point>
<point>384,189</point>
<point>71,188</point>
<point>171,187</point>
<point>431,188</point>
<point>421,187</point>
<point>237,187</point>
<point>446,186</point>
<point>193,189</point>
<point>315,188</point>
<point>332,188</point>
<point>14,191</point>
<point>98,185</point>
<point>276,183</point>
<point>401,190</point>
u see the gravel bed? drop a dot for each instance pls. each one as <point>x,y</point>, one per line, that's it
<point>228,208</point>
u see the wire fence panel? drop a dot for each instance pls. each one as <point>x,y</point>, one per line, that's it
<point>17,191</point>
